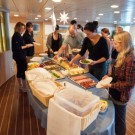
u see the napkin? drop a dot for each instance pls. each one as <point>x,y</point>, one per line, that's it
<point>37,73</point>
<point>45,86</point>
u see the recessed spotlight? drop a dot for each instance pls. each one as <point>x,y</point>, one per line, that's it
<point>56,0</point>
<point>48,8</point>
<point>97,18</point>
<point>39,1</point>
<point>75,18</point>
<point>16,15</point>
<point>46,19</point>
<point>100,14</point>
<point>114,6</point>
<point>115,22</point>
<point>38,15</point>
<point>36,18</point>
<point>116,12</point>
<point>58,19</point>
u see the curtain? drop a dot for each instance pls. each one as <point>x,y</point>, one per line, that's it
<point>3,42</point>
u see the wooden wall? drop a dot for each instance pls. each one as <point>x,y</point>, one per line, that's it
<point>39,37</point>
<point>6,66</point>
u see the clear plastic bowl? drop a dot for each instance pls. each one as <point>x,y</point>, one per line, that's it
<point>78,102</point>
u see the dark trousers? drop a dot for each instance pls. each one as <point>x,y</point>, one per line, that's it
<point>21,67</point>
<point>120,119</point>
<point>98,70</point>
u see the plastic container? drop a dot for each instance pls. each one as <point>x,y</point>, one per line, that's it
<point>79,102</point>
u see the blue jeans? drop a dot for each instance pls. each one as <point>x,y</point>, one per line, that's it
<point>120,119</point>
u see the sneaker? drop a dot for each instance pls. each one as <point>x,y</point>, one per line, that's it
<point>23,89</point>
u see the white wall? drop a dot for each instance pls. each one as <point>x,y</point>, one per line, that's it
<point>131,30</point>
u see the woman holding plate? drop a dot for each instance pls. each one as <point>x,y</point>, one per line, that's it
<point>28,39</point>
<point>98,51</point>
<point>19,54</point>
<point>123,74</point>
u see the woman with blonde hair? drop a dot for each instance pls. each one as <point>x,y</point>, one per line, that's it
<point>123,74</point>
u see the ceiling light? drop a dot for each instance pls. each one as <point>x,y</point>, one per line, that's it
<point>36,18</point>
<point>116,12</point>
<point>133,21</point>
<point>115,22</point>
<point>133,18</point>
<point>100,14</point>
<point>46,19</point>
<point>48,8</point>
<point>87,20</point>
<point>56,0</point>
<point>39,1</point>
<point>38,15</point>
<point>75,18</point>
<point>114,6</point>
<point>97,18</point>
<point>16,15</point>
<point>58,19</point>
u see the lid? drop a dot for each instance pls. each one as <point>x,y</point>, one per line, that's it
<point>77,97</point>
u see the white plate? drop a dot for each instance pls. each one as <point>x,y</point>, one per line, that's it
<point>36,59</point>
<point>30,45</point>
<point>90,61</point>
<point>43,54</point>
<point>56,53</point>
<point>104,82</point>
<point>76,50</point>
<point>36,43</point>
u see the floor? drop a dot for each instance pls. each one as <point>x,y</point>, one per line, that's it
<point>17,116</point>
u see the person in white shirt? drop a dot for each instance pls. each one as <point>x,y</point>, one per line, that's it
<point>73,39</point>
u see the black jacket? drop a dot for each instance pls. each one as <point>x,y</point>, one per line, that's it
<point>17,43</point>
<point>29,40</point>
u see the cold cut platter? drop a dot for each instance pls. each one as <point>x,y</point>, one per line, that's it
<point>83,81</point>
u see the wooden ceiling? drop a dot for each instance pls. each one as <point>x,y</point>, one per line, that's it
<point>81,9</point>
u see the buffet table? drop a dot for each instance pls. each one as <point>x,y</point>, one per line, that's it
<point>103,125</point>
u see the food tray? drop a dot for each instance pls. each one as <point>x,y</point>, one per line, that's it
<point>65,64</point>
<point>52,67</point>
<point>83,81</point>
<point>57,75</point>
<point>48,63</point>
<point>77,71</point>
<point>33,65</point>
